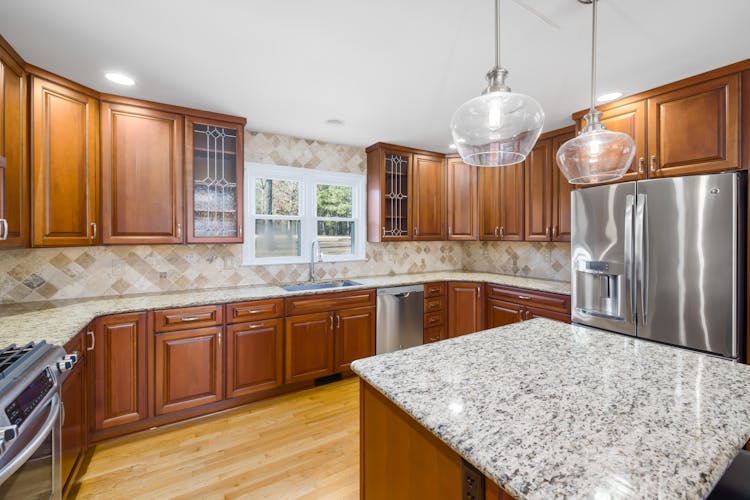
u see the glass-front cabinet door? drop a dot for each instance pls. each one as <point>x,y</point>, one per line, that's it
<point>214,168</point>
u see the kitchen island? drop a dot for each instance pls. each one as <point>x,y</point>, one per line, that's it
<point>548,410</point>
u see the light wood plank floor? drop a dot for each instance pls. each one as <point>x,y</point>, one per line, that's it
<point>300,445</point>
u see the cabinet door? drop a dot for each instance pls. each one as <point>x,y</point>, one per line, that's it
<point>501,313</point>
<point>489,203</point>
<point>561,190</point>
<point>65,164</point>
<point>629,119</point>
<point>187,369</point>
<point>463,203</point>
<point>308,347</point>
<point>511,202</point>
<point>255,357</point>
<point>141,175</point>
<point>15,194</point>
<point>73,428</point>
<point>465,308</point>
<point>429,198</point>
<point>395,194</point>
<point>354,336</point>
<point>119,368</point>
<point>536,312</point>
<point>695,129</point>
<point>538,182</point>
<point>214,167</point>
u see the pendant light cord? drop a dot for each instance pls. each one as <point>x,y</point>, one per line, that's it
<point>593,57</point>
<point>497,33</point>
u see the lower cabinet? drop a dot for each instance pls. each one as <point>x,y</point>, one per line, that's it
<point>507,305</point>
<point>465,308</point>
<point>354,336</point>
<point>255,357</point>
<point>501,313</point>
<point>117,355</point>
<point>73,395</point>
<point>309,347</point>
<point>187,369</point>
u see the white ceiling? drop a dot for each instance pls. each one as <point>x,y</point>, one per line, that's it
<point>393,70</point>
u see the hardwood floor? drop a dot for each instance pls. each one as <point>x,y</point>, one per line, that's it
<point>300,445</point>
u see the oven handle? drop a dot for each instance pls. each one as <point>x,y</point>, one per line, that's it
<point>35,443</point>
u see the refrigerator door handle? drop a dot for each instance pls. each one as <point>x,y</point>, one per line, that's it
<point>629,271</point>
<point>641,255</point>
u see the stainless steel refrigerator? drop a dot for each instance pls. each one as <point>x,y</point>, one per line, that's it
<point>663,259</point>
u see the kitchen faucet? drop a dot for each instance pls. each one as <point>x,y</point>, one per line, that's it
<point>313,260</point>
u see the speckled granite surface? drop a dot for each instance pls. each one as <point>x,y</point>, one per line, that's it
<point>58,322</point>
<point>550,410</point>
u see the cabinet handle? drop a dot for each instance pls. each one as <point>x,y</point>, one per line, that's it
<point>450,229</point>
<point>641,164</point>
<point>524,297</point>
<point>546,232</point>
<point>496,231</point>
<point>338,321</point>
<point>93,230</point>
<point>502,232</point>
<point>93,340</point>
<point>179,230</point>
<point>416,231</point>
<point>240,228</point>
<point>477,292</point>
<point>331,318</point>
<point>190,318</point>
<point>652,163</point>
<point>554,231</point>
<point>383,232</point>
<point>255,326</point>
<point>433,339</point>
<point>3,229</point>
<point>218,339</point>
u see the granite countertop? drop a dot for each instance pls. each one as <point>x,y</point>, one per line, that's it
<point>549,410</point>
<point>59,321</point>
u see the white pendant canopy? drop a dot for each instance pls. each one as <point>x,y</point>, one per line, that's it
<point>499,127</point>
<point>597,154</point>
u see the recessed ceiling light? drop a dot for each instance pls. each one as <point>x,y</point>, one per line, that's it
<point>452,146</point>
<point>610,96</point>
<point>120,79</point>
<point>335,122</point>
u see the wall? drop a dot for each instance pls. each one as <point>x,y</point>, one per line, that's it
<point>65,273</point>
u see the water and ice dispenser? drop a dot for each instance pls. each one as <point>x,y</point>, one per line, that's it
<point>600,289</point>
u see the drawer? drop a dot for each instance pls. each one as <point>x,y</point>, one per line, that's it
<point>433,334</point>
<point>434,290</point>
<point>434,304</point>
<point>170,320</point>
<point>545,300</point>
<point>434,319</point>
<point>255,310</point>
<point>329,302</point>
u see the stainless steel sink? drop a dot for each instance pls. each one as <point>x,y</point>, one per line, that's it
<point>320,286</point>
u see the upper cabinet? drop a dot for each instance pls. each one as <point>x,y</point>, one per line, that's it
<point>405,194</point>
<point>462,200</point>
<point>142,165</point>
<point>561,189</point>
<point>214,169</point>
<point>501,203</point>
<point>684,128</point>
<point>65,164</point>
<point>14,193</point>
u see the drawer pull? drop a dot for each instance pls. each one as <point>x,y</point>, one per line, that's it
<point>524,297</point>
<point>255,326</point>
<point>190,318</point>
<point>433,339</point>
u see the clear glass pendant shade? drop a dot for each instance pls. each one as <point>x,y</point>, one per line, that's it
<point>497,128</point>
<point>596,156</point>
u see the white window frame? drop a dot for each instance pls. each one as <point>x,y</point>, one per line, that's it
<point>308,180</point>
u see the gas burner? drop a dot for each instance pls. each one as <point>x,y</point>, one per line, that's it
<point>13,356</point>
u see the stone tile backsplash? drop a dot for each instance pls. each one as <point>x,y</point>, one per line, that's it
<point>65,273</point>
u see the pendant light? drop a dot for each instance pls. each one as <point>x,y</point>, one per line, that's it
<point>499,127</point>
<point>597,154</point>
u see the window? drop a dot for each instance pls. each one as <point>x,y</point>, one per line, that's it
<point>289,208</point>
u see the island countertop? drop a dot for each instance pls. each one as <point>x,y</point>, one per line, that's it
<point>549,410</point>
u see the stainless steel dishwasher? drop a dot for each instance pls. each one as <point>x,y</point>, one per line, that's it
<point>400,316</point>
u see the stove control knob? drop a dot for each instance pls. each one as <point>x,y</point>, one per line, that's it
<point>64,365</point>
<point>8,433</point>
<point>73,357</point>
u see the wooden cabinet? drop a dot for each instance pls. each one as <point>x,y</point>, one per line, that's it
<point>506,305</point>
<point>406,195</point>
<point>465,308</point>
<point>73,396</point>
<point>561,190</point>
<point>142,150</point>
<point>255,357</point>
<point>188,369</point>
<point>462,200</point>
<point>14,173</point>
<point>117,356</point>
<point>695,129</point>
<point>434,322</point>
<point>65,164</point>
<point>309,346</point>
<point>324,334</point>
<point>214,167</point>
<point>354,336</point>
<point>501,203</point>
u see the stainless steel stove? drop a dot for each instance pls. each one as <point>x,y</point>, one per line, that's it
<point>30,419</point>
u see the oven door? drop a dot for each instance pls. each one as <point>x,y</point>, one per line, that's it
<point>33,469</point>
